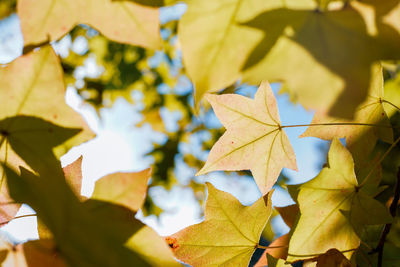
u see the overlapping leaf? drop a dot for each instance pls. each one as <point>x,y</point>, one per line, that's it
<point>34,106</point>
<point>215,45</point>
<point>360,139</point>
<point>289,37</point>
<point>229,234</point>
<point>254,139</point>
<point>112,236</point>
<point>35,121</point>
<point>341,57</point>
<point>31,254</point>
<point>127,189</point>
<point>123,22</point>
<point>333,208</point>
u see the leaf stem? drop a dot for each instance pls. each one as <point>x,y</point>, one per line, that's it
<point>337,124</point>
<point>319,254</point>
<point>265,247</point>
<point>3,138</point>
<point>18,217</point>
<point>386,229</point>
<point>379,162</point>
<point>8,203</point>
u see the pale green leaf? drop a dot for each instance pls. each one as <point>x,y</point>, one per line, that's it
<point>392,94</point>
<point>229,234</point>
<point>331,207</point>
<point>324,58</point>
<point>254,139</point>
<point>214,44</point>
<point>360,139</point>
<point>146,242</point>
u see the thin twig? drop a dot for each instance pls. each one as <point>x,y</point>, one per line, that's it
<point>18,217</point>
<point>386,230</point>
<point>338,124</point>
<point>264,247</point>
<point>364,182</point>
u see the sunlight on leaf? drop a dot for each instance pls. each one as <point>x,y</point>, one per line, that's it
<point>127,189</point>
<point>332,208</point>
<point>39,91</point>
<point>254,139</point>
<point>228,235</point>
<point>215,45</point>
<point>323,57</point>
<point>123,22</point>
<point>360,139</point>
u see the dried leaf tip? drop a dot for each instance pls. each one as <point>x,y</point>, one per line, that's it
<point>172,242</point>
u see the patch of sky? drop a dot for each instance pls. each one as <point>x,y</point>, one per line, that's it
<point>182,171</point>
<point>62,47</point>
<point>170,119</point>
<point>170,13</point>
<point>182,209</point>
<point>184,86</point>
<point>11,40</point>
<point>165,33</point>
<point>194,145</point>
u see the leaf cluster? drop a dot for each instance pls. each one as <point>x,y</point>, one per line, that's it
<point>339,58</point>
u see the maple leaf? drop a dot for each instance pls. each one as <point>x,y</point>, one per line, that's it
<point>29,131</point>
<point>335,66</point>
<point>385,14</point>
<point>229,234</point>
<point>360,139</point>
<point>35,121</point>
<point>112,234</point>
<point>214,43</point>
<point>254,139</point>
<point>122,22</point>
<point>332,209</point>
<point>332,258</point>
<point>73,177</point>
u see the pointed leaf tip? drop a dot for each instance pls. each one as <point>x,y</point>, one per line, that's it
<point>228,235</point>
<point>254,139</point>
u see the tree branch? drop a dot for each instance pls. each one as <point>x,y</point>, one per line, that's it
<point>386,230</point>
